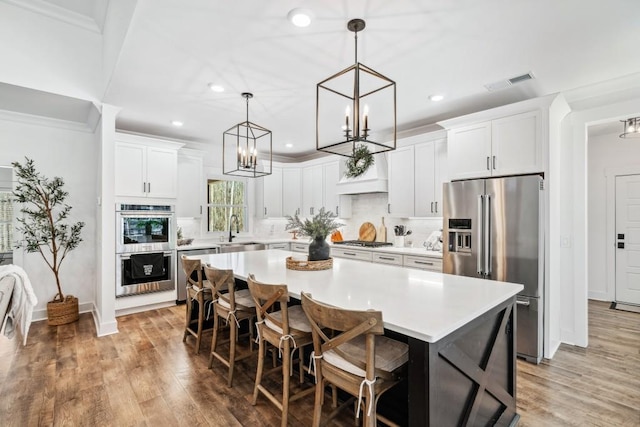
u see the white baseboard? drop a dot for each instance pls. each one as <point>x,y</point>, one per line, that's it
<point>600,296</point>
<point>132,310</point>
<point>103,328</point>
<point>39,315</point>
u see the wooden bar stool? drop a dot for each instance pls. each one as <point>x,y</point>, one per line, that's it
<point>357,358</point>
<point>233,306</point>
<point>287,329</point>
<point>197,294</point>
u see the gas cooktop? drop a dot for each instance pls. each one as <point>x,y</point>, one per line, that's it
<point>363,243</point>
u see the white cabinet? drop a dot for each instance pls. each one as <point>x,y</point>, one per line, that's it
<point>319,189</point>
<point>416,174</point>
<point>283,246</point>
<point>401,183</point>
<point>279,194</point>
<point>291,191</point>
<point>431,171</point>
<point>300,247</point>
<point>387,258</point>
<point>517,144</point>
<point>339,204</point>
<point>351,253</point>
<point>423,263</point>
<point>269,195</point>
<point>191,185</point>
<point>505,146</point>
<point>146,169</point>
<point>312,189</point>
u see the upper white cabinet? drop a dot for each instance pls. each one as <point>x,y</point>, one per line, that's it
<point>145,167</point>
<point>416,174</point>
<point>279,194</point>
<point>401,182</point>
<point>312,189</point>
<point>319,190</point>
<point>431,171</point>
<point>269,195</point>
<point>191,185</point>
<point>291,191</point>
<point>517,144</point>
<point>339,204</point>
<point>509,145</point>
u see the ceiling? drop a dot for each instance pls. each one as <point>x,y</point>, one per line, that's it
<point>174,49</point>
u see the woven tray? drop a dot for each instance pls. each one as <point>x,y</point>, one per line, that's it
<point>309,265</point>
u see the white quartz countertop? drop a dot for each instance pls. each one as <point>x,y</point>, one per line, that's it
<point>420,304</point>
<point>210,243</point>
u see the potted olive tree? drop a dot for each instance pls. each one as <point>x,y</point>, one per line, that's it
<point>44,231</point>
<point>318,228</point>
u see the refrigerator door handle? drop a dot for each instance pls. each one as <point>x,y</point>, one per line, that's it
<point>487,235</point>
<point>524,303</point>
<point>480,233</point>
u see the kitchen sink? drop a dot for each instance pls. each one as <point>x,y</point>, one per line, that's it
<point>241,247</point>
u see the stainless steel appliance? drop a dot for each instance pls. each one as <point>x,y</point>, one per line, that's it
<point>494,229</point>
<point>145,249</point>
<point>145,228</point>
<point>182,278</point>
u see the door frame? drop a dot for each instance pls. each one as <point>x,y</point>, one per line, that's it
<point>611,174</point>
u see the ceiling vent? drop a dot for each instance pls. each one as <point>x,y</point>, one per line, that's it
<point>502,84</point>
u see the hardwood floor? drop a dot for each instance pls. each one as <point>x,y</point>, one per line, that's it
<point>145,375</point>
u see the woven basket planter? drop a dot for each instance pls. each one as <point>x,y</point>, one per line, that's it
<point>62,312</point>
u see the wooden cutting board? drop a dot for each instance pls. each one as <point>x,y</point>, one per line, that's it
<point>381,236</point>
<point>367,232</point>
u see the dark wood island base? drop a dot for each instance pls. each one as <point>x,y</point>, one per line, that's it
<point>467,378</point>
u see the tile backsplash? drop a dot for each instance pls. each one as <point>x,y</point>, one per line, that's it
<point>365,208</point>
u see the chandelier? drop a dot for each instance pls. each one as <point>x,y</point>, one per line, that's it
<point>247,148</point>
<point>356,107</point>
<point>631,128</point>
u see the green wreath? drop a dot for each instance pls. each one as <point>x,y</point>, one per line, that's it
<point>358,164</point>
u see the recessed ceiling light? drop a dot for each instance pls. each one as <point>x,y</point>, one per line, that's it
<point>216,88</point>
<point>300,17</point>
<point>436,98</point>
<point>288,145</point>
<point>177,123</point>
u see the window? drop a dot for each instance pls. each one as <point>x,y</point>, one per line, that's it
<point>225,198</point>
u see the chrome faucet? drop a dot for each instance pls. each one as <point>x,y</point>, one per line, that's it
<point>231,236</point>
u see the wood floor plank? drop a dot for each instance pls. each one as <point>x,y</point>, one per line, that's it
<point>146,376</point>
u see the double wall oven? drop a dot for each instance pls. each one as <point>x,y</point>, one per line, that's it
<point>145,247</point>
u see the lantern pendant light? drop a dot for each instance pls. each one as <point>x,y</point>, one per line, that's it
<point>356,107</point>
<point>247,148</point>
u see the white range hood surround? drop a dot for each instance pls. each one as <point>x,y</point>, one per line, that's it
<point>374,180</point>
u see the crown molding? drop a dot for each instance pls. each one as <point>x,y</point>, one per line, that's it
<point>59,13</point>
<point>31,119</point>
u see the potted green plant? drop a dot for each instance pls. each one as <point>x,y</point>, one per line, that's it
<point>318,228</point>
<point>44,231</point>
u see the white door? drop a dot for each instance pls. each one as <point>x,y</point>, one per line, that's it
<point>628,239</point>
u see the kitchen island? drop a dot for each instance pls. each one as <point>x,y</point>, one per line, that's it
<point>460,330</point>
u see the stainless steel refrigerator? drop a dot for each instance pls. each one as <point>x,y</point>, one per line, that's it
<point>494,229</point>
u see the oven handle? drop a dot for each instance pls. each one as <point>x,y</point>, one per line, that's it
<point>145,215</point>
<point>128,256</point>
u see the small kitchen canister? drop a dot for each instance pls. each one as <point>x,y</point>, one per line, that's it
<point>398,242</point>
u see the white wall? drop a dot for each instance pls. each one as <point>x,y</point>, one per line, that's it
<point>606,153</point>
<point>71,155</point>
<point>49,55</point>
